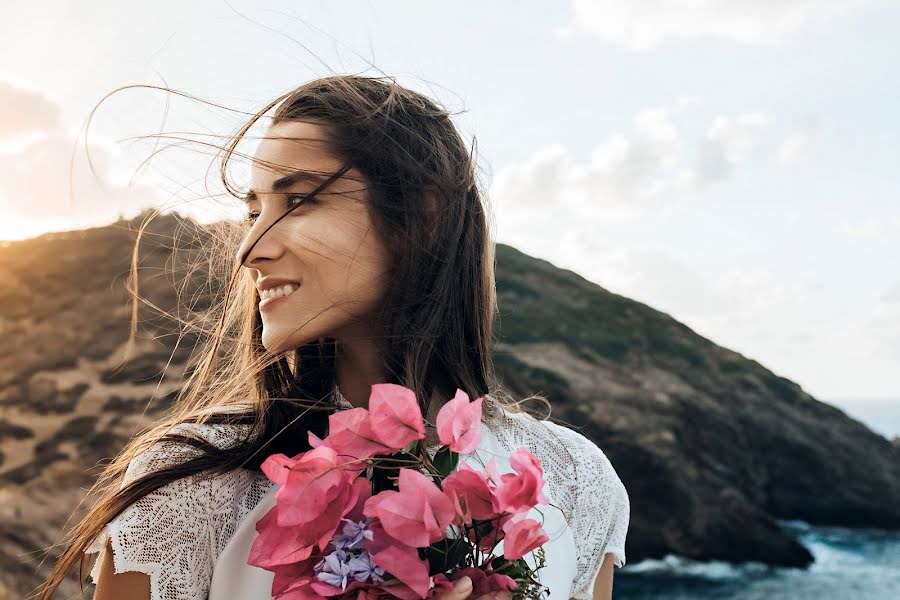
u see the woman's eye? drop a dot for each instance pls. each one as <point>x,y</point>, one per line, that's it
<point>293,201</point>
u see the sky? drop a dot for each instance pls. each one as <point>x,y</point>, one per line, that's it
<point>730,163</point>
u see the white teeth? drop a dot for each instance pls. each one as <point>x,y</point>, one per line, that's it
<point>284,290</point>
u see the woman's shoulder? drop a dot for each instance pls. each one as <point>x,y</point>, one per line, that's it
<point>568,450</point>
<point>158,453</point>
<point>173,533</point>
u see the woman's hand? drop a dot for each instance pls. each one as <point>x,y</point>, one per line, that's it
<point>462,589</point>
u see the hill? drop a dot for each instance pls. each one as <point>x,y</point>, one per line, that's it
<point>711,445</point>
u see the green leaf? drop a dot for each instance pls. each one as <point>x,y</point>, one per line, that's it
<point>517,569</point>
<point>447,554</point>
<point>445,460</point>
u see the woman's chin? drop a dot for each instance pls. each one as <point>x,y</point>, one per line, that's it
<point>275,341</point>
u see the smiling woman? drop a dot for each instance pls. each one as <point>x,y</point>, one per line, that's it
<point>365,258</point>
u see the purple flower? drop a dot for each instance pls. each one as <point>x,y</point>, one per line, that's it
<point>363,568</point>
<point>352,535</point>
<point>333,569</point>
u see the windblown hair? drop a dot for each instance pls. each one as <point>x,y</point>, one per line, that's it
<point>438,313</point>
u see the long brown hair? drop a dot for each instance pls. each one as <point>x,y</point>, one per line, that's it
<point>438,313</point>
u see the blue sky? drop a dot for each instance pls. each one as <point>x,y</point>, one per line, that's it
<point>729,163</point>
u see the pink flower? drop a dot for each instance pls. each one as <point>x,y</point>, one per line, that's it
<point>470,492</point>
<point>292,580</point>
<point>521,491</point>
<point>276,546</point>
<point>522,536</point>
<point>459,423</point>
<point>351,434</point>
<point>403,562</point>
<point>418,514</point>
<point>485,583</point>
<point>314,495</point>
<point>487,534</point>
<point>395,415</point>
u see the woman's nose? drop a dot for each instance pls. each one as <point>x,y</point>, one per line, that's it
<point>259,245</point>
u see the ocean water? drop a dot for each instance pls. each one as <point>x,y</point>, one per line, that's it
<point>855,564</point>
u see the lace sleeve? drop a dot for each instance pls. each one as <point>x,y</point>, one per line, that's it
<point>583,483</point>
<point>165,534</point>
<point>600,513</point>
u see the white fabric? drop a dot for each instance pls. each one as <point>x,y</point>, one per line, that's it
<point>193,536</point>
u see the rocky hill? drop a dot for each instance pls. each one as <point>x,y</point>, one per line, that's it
<point>711,445</point>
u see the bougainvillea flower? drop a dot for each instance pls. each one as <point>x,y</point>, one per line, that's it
<point>351,435</point>
<point>403,562</point>
<point>470,490</point>
<point>522,490</point>
<point>488,533</point>
<point>522,536</point>
<point>484,583</point>
<point>291,576</point>
<point>418,514</point>
<point>492,473</point>
<point>277,546</point>
<point>315,495</point>
<point>459,423</point>
<point>395,416</point>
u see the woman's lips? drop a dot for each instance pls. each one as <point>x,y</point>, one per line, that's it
<point>268,303</point>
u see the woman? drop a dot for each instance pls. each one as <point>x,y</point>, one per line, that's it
<point>365,258</point>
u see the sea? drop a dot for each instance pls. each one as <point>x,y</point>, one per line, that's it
<point>854,564</point>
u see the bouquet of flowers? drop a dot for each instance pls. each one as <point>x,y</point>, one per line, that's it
<point>363,515</point>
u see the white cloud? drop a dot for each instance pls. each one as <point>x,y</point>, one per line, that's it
<point>799,142</point>
<point>645,24</point>
<point>625,176</point>
<point>728,141</point>
<point>24,111</point>
<point>628,173</point>
<point>872,227</point>
<point>882,324</point>
<point>46,182</point>
<point>41,189</point>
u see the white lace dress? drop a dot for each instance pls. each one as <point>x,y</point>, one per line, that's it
<point>193,536</point>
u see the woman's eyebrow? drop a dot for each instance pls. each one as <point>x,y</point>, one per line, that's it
<point>282,183</point>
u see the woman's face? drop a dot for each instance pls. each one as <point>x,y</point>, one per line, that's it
<point>327,246</point>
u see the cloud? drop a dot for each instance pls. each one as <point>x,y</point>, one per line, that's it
<point>882,324</point>
<point>628,173</point>
<point>728,301</point>
<point>39,191</point>
<point>728,141</point>
<point>892,294</point>
<point>25,111</point>
<point>799,143</point>
<point>641,25</point>
<point>872,227</point>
